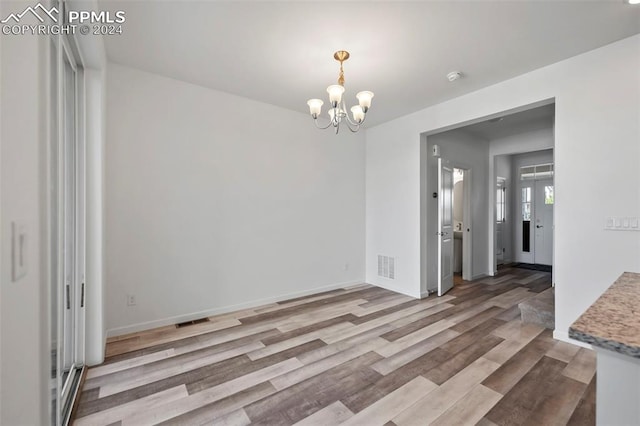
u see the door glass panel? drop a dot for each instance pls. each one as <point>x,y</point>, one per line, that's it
<point>527,173</point>
<point>526,203</point>
<point>526,219</point>
<point>526,236</point>
<point>537,172</point>
<point>447,219</point>
<point>548,194</point>
<point>500,205</point>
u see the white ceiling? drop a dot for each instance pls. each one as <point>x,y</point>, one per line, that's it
<point>282,52</point>
<point>513,124</point>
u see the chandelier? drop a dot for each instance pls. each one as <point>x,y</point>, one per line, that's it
<point>338,111</point>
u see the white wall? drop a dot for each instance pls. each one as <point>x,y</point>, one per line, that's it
<point>469,152</point>
<point>95,62</point>
<point>24,339</point>
<point>393,206</point>
<point>597,129</point>
<point>95,82</point>
<point>216,201</point>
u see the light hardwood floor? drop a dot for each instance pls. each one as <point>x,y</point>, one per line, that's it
<point>358,356</point>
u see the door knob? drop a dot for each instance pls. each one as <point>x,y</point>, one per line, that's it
<point>539,226</point>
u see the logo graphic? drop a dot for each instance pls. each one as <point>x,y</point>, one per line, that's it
<point>84,22</point>
<point>51,13</point>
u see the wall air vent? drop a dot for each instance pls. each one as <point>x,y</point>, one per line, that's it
<point>386,266</point>
<point>192,322</point>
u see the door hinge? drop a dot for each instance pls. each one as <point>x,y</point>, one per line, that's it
<point>82,296</point>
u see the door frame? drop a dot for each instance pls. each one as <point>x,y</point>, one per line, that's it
<point>67,390</point>
<point>428,219</point>
<point>516,196</point>
<point>467,218</point>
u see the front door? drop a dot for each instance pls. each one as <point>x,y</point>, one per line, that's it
<point>543,221</point>
<point>445,227</point>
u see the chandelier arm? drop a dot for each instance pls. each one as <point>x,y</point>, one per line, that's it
<point>315,120</point>
<point>351,122</point>
<point>353,129</point>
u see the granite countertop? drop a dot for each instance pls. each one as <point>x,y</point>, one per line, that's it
<point>613,321</point>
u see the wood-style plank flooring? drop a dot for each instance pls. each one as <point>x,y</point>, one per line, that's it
<point>359,356</point>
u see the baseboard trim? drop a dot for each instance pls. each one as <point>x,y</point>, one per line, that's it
<point>148,325</point>
<point>416,295</point>
<point>564,336</point>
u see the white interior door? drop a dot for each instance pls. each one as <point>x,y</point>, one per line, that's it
<point>543,221</point>
<point>445,227</point>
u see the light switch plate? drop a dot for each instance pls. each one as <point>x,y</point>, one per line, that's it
<point>622,223</point>
<point>609,223</point>
<point>18,250</point>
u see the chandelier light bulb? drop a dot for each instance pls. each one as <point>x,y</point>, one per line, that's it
<point>364,99</point>
<point>315,107</point>
<point>358,113</point>
<point>335,92</point>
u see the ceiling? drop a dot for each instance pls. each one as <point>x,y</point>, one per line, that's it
<point>513,124</point>
<point>282,52</point>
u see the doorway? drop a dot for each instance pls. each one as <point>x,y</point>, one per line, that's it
<point>533,227</point>
<point>458,220</point>
<point>451,226</point>
<point>494,203</point>
<point>453,222</point>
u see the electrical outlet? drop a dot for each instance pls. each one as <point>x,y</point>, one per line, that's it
<point>131,300</point>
